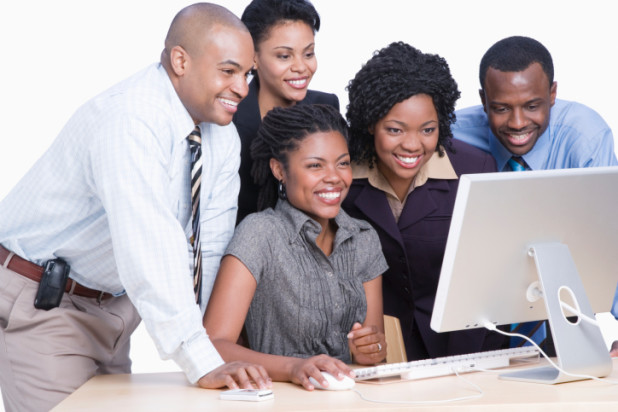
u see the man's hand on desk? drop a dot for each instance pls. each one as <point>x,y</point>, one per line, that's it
<point>236,375</point>
<point>613,351</point>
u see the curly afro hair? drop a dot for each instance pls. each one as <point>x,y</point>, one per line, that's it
<point>394,74</point>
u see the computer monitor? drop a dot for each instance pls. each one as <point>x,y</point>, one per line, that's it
<point>515,234</point>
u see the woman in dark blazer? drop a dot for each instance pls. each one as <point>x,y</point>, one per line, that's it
<point>283,34</point>
<point>406,169</point>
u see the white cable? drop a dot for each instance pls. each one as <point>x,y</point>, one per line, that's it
<point>434,402</point>
<point>577,312</point>
<point>491,326</point>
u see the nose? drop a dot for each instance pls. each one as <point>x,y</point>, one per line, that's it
<point>298,64</point>
<point>411,142</point>
<point>517,120</point>
<point>240,86</point>
<point>332,174</point>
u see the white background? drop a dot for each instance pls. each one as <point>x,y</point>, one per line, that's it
<point>56,55</point>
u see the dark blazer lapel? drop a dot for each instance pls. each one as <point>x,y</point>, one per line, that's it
<point>373,203</point>
<point>422,202</point>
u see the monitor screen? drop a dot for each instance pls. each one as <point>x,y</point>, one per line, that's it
<point>499,219</point>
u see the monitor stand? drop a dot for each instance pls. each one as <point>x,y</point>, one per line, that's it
<point>580,348</point>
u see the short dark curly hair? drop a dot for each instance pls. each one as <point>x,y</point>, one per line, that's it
<point>261,15</point>
<point>515,54</point>
<point>280,133</point>
<point>394,74</point>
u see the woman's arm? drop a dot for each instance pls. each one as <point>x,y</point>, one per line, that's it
<point>367,342</point>
<point>224,318</point>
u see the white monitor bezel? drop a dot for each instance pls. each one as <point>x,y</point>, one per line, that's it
<point>486,269</point>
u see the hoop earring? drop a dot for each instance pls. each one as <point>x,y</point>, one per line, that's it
<point>281,191</point>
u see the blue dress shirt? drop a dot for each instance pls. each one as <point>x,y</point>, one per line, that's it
<point>577,136</point>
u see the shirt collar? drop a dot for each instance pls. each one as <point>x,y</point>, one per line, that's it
<point>299,223</point>
<point>438,167</point>
<point>182,122</point>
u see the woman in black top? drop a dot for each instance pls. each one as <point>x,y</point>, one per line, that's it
<point>283,34</point>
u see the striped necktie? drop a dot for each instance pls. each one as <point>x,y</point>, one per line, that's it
<point>517,164</point>
<point>534,330</point>
<point>195,146</point>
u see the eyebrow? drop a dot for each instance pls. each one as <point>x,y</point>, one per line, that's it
<point>535,100</point>
<point>291,48</point>
<point>323,160</point>
<point>399,122</point>
<point>229,62</point>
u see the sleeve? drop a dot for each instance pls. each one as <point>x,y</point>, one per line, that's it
<point>601,150</point>
<point>585,138</point>
<point>251,245</point>
<point>131,176</point>
<point>369,253</point>
<point>471,127</point>
<point>219,199</point>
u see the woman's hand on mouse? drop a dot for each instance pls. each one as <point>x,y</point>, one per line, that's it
<point>302,369</point>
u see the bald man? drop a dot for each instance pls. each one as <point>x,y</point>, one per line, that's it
<point>109,205</point>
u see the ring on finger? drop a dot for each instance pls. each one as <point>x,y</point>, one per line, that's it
<point>379,347</point>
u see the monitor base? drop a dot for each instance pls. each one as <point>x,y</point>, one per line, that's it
<point>580,347</point>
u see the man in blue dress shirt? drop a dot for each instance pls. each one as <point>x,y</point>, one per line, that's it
<point>523,125</point>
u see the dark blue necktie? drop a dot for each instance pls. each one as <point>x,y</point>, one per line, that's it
<point>517,164</point>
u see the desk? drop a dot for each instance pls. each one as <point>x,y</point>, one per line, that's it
<point>171,392</point>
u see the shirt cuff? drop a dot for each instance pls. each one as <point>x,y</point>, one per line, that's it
<point>197,357</point>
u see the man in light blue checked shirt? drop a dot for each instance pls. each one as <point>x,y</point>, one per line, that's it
<point>111,198</point>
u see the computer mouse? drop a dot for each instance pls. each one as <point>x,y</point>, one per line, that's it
<point>334,384</point>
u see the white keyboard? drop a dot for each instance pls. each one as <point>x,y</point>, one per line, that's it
<point>447,365</point>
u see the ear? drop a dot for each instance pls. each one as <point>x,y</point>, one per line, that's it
<point>482,96</point>
<point>255,63</point>
<point>277,168</point>
<point>179,60</point>
<point>553,90</point>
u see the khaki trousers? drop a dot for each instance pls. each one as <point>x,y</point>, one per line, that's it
<point>46,355</point>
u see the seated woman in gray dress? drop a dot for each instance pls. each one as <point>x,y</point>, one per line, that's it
<point>302,276</point>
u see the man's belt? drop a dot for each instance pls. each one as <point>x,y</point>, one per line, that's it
<point>34,272</point>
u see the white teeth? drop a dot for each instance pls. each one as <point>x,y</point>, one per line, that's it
<point>519,136</point>
<point>330,195</point>
<point>298,82</point>
<point>228,102</point>
<point>408,160</point>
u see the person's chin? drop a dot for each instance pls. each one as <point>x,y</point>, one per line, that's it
<point>222,119</point>
<point>518,149</point>
<point>296,95</point>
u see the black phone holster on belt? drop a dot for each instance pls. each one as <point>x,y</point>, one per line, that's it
<point>52,285</point>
